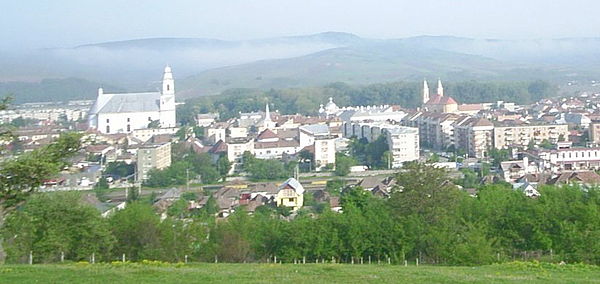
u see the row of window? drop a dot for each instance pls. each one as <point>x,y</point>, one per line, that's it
<point>128,119</point>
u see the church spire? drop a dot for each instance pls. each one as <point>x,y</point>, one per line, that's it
<point>267,113</point>
<point>425,92</point>
<point>168,84</point>
<point>440,89</point>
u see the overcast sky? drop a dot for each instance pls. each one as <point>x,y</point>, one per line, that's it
<point>65,23</point>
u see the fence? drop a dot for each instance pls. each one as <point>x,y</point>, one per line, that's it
<point>539,255</point>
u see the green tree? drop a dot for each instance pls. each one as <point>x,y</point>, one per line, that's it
<point>25,174</point>
<point>51,223</point>
<point>137,232</point>
<point>223,166</point>
<point>343,164</point>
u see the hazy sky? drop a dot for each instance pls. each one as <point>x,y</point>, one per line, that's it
<point>64,23</point>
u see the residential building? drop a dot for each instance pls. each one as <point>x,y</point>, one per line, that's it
<point>474,136</point>
<point>521,135</point>
<point>206,119</point>
<point>290,194</point>
<point>152,156</point>
<point>324,151</point>
<point>269,146</point>
<point>403,142</point>
<point>594,133</point>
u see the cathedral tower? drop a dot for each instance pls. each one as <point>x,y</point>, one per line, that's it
<point>425,92</point>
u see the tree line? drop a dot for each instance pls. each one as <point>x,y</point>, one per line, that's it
<point>407,94</point>
<point>426,217</point>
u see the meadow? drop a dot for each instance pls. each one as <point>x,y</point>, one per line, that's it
<point>157,272</point>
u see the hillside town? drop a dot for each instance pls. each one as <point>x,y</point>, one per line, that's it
<point>553,141</point>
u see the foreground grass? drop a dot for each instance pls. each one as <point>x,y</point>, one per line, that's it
<point>307,273</point>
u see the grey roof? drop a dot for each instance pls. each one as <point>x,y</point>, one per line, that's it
<point>318,129</point>
<point>132,102</point>
<point>293,183</point>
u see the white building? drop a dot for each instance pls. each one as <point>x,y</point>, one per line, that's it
<point>126,112</point>
<point>403,142</point>
<point>570,159</point>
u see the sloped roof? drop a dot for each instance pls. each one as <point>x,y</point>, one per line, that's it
<point>220,147</point>
<point>482,122</point>
<point>132,102</point>
<point>586,177</point>
<point>266,134</point>
<point>441,100</point>
<point>276,144</point>
<point>293,184</point>
<point>470,107</point>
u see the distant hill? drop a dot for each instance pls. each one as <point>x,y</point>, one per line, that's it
<point>207,66</point>
<point>53,90</point>
<point>359,64</point>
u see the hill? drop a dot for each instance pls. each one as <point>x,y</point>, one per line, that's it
<point>359,64</point>
<point>53,90</point>
<point>207,66</point>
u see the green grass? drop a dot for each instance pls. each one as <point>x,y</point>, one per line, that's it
<point>300,273</point>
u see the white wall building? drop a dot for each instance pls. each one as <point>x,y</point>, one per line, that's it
<point>124,113</point>
<point>403,142</point>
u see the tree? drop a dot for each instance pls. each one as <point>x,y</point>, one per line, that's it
<point>223,166</point>
<point>119,169</point>
<point>24,175</point>
<point>51,223</point>
<point>137,232</point>
<point>343,164</point>
<point>499,155</point>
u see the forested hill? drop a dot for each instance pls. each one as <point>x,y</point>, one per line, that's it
<point>53,90</point>
<point>407,94</point>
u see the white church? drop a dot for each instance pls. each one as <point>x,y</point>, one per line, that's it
<point>126,112</point>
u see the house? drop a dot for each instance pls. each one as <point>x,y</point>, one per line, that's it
<point>513,170</point>
<point>290,194</point>
<point>527,188</point>
<point>580,177</point>
<point>378,186</point>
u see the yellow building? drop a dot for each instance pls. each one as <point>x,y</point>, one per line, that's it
<point>290,194</point>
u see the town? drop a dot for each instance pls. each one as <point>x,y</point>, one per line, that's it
<point>133,145</point>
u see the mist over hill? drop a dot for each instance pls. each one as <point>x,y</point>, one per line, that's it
<point>208,66</point>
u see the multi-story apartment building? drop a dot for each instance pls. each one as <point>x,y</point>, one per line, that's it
<point>152,156</point>
<point>403,141</point>
<point>594,132</point>
<point>324,151</point>
<point>474,136</point>
<point>521,135</point>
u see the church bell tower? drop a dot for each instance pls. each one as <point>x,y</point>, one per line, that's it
<point>167,99</point>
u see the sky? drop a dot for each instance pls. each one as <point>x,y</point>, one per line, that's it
<point>65,23</point>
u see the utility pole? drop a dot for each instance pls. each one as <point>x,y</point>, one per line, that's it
<point>187,183</point>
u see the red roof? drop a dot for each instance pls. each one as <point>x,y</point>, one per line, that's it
<point>441,100</point>
<point>220,147</point>
<point>266,134</point>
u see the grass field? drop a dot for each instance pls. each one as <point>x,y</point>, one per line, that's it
<point>297,273</point>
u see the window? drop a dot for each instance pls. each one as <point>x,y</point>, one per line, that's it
<point>128,127</point>
<point>168,87</point>
<point>108,129</point>
<point>149,118</point>
<point>107,120</point>
<point>128,119</point>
